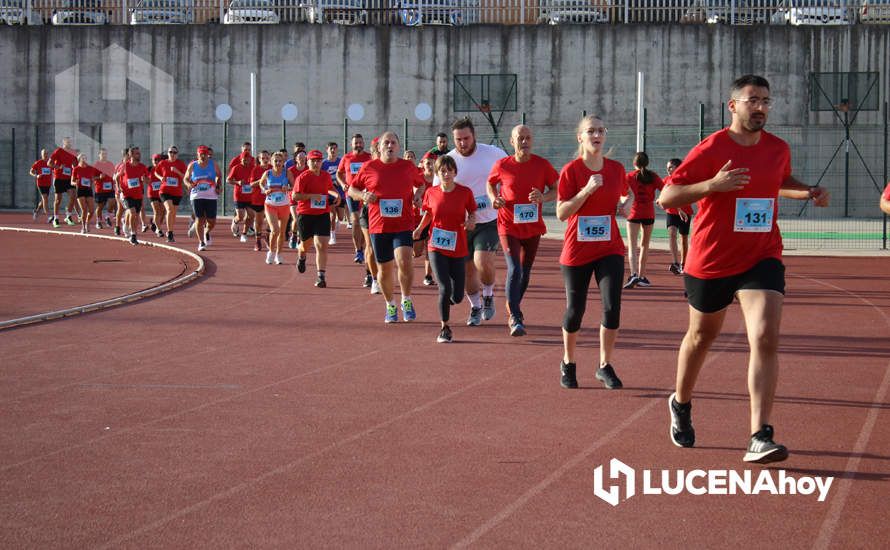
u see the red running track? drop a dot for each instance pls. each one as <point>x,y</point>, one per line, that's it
<point>251,409</point>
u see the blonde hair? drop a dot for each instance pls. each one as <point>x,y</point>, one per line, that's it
<point>279,155</point>
<point>583,124</point>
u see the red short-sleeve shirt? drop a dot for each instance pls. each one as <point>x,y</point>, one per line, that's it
<point>44,173</point>
<point>66,161</point>
<point>316,185</point>
<point>129,180</point>
<point>643,207</point>
<point>735,230</point>
<point>448,212</point>
<point>394,185</point>
<point>517,181</point>
<point>592,232</point>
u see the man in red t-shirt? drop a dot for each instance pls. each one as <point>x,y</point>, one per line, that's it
<point>171,170</point>
<point>387,185</point>
<point>131,180</point>
<point>240,177</point>
<point>350,164</point>
<point>736,175</point>
<point>517,186</point>
<point>678,222</point>
<point>62,161</point>
<point>43,175</point>
<point>885,199</point>
<point>246,151</point>
<point>314,194</point>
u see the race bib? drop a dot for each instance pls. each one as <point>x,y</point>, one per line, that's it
<point>319,203</point>
<point>525,213</point>
<point>391,208</point>
<point>753,215</point>
<point>106,186</point>
<point>45,171</point>
<point>85,182</point>
<point>155,186</point>
<point>277,198</point>
<point>203,187</point>
<point>444,240</point>
<point>172,182</point>
<point>133,183</point>
<point>354,167</point>
<point>482,202</point>
<point>246,189</point>
<point>594,228</point>
<point>66,170</point>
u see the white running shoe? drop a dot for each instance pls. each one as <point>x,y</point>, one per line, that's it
<point>243,238</point>
<point>333,239</point>
<point>202,247</point>
<point>278,260</point>
<point>269,257</point>
<point>191,231</point>
<point>348,225</point>
<point>207,238</point>
<point>375,288</point>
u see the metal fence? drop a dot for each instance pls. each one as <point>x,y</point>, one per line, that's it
<point>853,221</point>
<point>445,12</point>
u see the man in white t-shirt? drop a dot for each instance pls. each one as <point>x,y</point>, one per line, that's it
<point>474,163</point>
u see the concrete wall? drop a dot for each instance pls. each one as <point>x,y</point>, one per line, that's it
<point>389,70</point>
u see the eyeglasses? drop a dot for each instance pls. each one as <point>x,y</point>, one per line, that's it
<point>765,102</point>
<point>173,152</point>
<point>598,131</point>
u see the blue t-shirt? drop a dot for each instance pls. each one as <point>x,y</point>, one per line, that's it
<point>330,166</point>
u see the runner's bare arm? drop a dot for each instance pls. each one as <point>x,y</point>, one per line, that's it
<point>726,179</point>
<point>550,194</point>
<point>491,190</point>
<point>792,188</point>
<point>564,209</point>
<point>424,221</point>
<point>885,205</point>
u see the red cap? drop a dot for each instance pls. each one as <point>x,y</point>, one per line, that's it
<point>157,156</point>
<point>375,140</point>
<point>315,154</point>
<point>203,149</point>
<point>429,155</point>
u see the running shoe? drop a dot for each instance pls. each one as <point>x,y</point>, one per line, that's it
<point>243,238</point>
<point>643,282</point>
<point>170,238</point>
<point>191,230</point>
<point>301,264</point>
<point>159,233</point>
<point>567,375</point>
<point>675,269</point>
<point>516,327</point>
<point>57,224</point>
<point>292,243</point>
<point>235,232</point>
<point>333,238</point>
<point>98,225</point>
<point>320,282</point>
<point>154,228</point>
<point>682,432</point>
<point>269,257</point>
<point>763,450</point>
<point>279,261</point>
<point>117,230</point>
<point>475,318</point>
<point>207,238</point>
<point>488,307</point>
<point>392,314</point>
<point>257,247</point>
<point>108,221</point>
<point>369,280</point>
<point>408,312</point>
<point>375,288</point>
<point>359,257</point>
<point>202,247</point>
<point>607,376</point>
<point>428,281</point>
<point>68,220</point>
<point>133,240</point>
<point>251,232</point>
<point>631,281</point>
<point>34,215</point>
<point>144,228</point>
<point>444,336</point>
<point>348,225</point>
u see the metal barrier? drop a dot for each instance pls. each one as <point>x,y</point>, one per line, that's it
<point>445,12</point>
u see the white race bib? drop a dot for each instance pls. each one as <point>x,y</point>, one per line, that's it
<point>106,186</point>
<point>133,183</point>
<point>482,202</point>
<point>319,203</point>
<point>45,171</point>
<point>246,189</point>
<point>753,215</point>
<point>203,187</point>
<point>525,213</point>
<point>66,170</point>
<point>443,239</point>
<point>277,198</point>
<point>594,228</point>
<point>85,182</point>
<point>172,182</point>
<point>354,167</point>
<point>156,186</point>
<point>391,208</point>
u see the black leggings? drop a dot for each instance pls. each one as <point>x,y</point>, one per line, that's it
<point>450,275</point>
<point>520,256</point>
<point>609,274</point>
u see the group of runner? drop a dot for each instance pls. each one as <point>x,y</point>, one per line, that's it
<point>462,204</point>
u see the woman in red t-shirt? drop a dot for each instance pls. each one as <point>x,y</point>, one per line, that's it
<point>155,180</point>
<point>450,211</point>
<point>642,183</point>
<point>678,223</point>
<point>82,177</point>
<point>314,195</point>
<point>258,199</point>
<point>44,176</point>
<point>427,168</point>
<point>588,194</point>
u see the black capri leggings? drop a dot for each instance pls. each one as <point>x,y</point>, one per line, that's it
<point>451,275</point>
<point>609,272</point>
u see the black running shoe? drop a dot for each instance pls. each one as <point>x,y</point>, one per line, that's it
<point>428,281</point>
<point>133,240</point>
<point>368,280</point>
<point>301,265</point>
<point>154,228</point>
<point>631,281</point>
<point>170,238</point>
<point>516,327</point>
<point>644,282</point>
<point>607,376</point>
<point>117,230</point>
<point>763,450</point>
<point>320,282</point>
<point>568,380</point>
<point>675,269</point>
<point>682,432</point>
<point>444,336</point>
